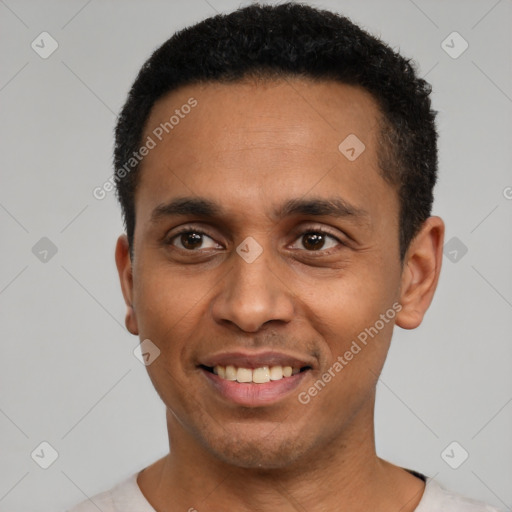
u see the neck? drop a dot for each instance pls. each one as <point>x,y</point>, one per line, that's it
<point>344,473</point>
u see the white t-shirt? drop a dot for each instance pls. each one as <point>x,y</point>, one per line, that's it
<point>126,496</point>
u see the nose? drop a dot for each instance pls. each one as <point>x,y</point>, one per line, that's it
<point>253,294</point>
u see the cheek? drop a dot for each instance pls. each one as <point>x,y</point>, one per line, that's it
<point>357,341</point>
<point>168,305</point>
<point>161,289</point>
<point>354,314</point>
<point>351,300</point>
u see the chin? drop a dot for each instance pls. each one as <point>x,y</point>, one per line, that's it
<point>256,452</point>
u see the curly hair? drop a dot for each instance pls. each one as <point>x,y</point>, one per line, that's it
<point>295,40</point>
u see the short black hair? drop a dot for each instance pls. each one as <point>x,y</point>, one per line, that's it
<point>294,40</point>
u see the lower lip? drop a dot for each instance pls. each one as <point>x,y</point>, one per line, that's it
<point>254,395</point>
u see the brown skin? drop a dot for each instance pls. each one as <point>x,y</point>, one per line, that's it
<point>250,147</point>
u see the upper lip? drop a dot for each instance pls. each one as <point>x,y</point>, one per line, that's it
<point>252,359</point>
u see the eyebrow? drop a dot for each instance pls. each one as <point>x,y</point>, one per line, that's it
<point>328,207</point>
<point>187,206</point>
<point>205,208</point>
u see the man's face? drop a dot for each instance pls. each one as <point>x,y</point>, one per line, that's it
<point>265,156</point>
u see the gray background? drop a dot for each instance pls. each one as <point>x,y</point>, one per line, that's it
<point>68,374</point>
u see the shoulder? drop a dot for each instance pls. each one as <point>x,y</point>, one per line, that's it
<point>438,499</point>
<point>126,496</point>
<point>102,501</point>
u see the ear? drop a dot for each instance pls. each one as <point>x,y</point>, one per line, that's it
<point>420,274</point>
<point>124,269</point>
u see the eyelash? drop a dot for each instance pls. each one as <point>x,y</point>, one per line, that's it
<point>188,229</point>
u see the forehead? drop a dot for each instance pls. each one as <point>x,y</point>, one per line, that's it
<point>248,142</point>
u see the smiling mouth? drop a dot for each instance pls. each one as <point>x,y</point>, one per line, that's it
<point>260,375</point>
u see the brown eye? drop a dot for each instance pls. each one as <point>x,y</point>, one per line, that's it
<point>193,240</point>
<point>313,241</point>
<point>317,241</point>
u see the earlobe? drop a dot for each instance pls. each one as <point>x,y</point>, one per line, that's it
<point>420,275</point>
<point>131,320</point>
<point>124,269</point>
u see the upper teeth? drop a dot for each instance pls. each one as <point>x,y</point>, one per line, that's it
<point>256,375</point>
